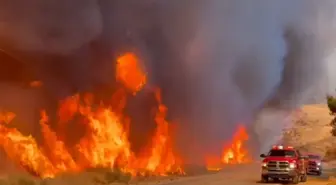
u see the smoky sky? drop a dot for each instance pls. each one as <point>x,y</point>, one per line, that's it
<point>218,62</point>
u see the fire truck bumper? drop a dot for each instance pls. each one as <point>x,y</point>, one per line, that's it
<point>283,174</point>
<point>314,170</point>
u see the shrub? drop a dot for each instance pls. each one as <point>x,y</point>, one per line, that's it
<point>331,100</point>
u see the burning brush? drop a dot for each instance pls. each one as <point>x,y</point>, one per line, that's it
<point>233,153</point>
<point>105,143</point>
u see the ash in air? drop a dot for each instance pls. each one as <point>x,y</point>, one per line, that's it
<point>219,63</point>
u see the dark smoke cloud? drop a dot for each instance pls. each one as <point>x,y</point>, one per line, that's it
<point>49,26</point>
<point>218,62</point>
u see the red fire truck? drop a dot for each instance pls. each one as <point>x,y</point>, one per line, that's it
<point>284,163</point>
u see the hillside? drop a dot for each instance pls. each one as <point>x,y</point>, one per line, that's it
<point>311,130</point>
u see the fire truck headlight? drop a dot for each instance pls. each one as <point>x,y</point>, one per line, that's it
<point>318,164</point>
<point>264,164</point>
<point>292,165</point>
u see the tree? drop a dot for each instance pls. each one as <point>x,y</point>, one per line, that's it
<point>332,104</point>
<point>331,100</point>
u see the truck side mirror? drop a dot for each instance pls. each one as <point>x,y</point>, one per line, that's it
<point>262,155</point>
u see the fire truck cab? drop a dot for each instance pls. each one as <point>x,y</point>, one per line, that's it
<point>284,163</point>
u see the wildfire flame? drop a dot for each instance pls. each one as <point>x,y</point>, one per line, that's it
<point>233,153</point>
<point>105,143</point>
<point>236,153</point>
<point>129,72</point>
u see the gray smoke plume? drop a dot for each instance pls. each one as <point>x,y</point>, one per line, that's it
<point>218,62</point>
<point>49,27</point>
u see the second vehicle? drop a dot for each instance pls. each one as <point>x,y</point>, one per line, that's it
<point>314,164</point>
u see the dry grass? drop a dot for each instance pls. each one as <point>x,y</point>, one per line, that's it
<point>97,176</point>
<point>92,177</point>
<point>18,179</point>
<point>311,131</point>
<point>318,111</point>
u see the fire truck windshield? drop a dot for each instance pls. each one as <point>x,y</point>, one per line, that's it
<point>282,153</point>
<point>314,157</point>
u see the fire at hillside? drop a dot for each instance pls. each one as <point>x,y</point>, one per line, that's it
<point>105,143</point>
<point>234,152</point>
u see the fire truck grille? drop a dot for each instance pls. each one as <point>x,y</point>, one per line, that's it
<point>312,163</point>
<point>277,165</point>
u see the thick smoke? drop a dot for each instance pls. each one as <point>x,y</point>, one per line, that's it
<point>245,55</point>
<point>331,75</point>
<point>49,27</point>
<point>218,62</point>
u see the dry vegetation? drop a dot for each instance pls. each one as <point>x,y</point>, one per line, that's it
<point>94,177</point>
<point>312,131</point>
<point>98,176</point>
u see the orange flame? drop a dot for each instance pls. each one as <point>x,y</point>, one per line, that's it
<point>162,156</point>
<point>105,143</point>
<point>129,72</point>
<point>233,153</point>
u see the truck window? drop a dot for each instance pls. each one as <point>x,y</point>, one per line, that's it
<point>282,153</point>
<point>314,157</point>
<point>298,152</point>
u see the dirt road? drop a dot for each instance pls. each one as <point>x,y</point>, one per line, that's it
<point>238,175</point>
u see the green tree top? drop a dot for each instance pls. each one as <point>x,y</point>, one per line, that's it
<point>332,104</point>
